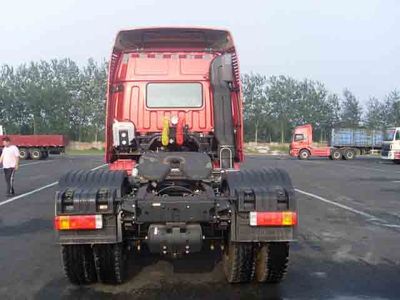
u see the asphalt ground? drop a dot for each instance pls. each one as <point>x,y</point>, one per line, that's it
<point>348,247</point>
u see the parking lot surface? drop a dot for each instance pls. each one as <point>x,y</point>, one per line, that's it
<point>348,247</point>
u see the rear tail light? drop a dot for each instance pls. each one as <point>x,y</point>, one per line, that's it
<point>80,222</point>
<point>276,218</point>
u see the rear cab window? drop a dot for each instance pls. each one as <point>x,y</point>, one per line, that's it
<point>179,95</point>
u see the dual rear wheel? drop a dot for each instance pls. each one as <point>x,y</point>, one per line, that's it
<point>79,264</point>
<point>242,262</point>
<point>349,154</point>
<point>265,262</point>
<point>109,260</point>
<point>84,264</point>
<point>24,153</point>
<point>346,154</point>
<point>38,154</point>
<point>35,154</point>
<point>336,154</point>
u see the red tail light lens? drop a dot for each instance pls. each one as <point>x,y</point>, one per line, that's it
<point>80,222</point>
<point>276,218</point>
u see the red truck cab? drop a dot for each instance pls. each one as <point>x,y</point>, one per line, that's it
<point>302,146</point>
<point>160,75</point>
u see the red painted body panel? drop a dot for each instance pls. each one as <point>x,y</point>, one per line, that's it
<point>122,164</point>
<point>307,143</point>
<point>32,141</point>
<point>146,55</point>
<point>137,72</point>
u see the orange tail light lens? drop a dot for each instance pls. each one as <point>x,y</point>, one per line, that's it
<point>276,218</point>
<point>80,222</point>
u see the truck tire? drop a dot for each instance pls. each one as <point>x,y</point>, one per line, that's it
<point>35,154</point>
<point>79,264</point>
<point>23,153</point>
<point>238,262</point>
<point>349,154</point>
<point>336,154</point>
<point>110,263</point>
<point>304,154</point>
<point>271,262</point>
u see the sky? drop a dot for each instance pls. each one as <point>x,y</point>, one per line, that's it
<point>344,44</point>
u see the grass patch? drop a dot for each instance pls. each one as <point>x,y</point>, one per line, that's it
<point>266,148</point>
<point>249,150</point>
<point>92,151</point>
<point>279,147</point>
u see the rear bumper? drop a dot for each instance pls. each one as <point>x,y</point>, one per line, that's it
<point>168,216</point>
<point>256,209</point>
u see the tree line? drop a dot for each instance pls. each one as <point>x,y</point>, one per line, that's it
<point>54,96</point>
<point>60,97</point>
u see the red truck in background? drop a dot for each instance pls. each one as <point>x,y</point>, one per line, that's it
<point>302,146</point>
<point>36,146</point>
<point>345,143</point>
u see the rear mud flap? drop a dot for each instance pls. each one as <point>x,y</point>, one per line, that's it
<point>91,193</point>
<point>264,190</point>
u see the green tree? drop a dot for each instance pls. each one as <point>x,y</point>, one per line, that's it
<point>392,108</point>
<point>375,114</point>
<point>94,92</point>
<point>255,105</point>
<point>283,94</point>
<point>351,110</point>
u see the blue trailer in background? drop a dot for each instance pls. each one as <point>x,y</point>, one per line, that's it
<point>360,141</point>
<point>350,142</point>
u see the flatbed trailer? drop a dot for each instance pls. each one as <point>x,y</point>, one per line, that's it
<point>345,143</point>
<point>37,146</point>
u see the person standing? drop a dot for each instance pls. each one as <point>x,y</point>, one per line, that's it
<point>10,159</point>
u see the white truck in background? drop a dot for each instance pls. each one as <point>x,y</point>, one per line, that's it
<point>391,145</point>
